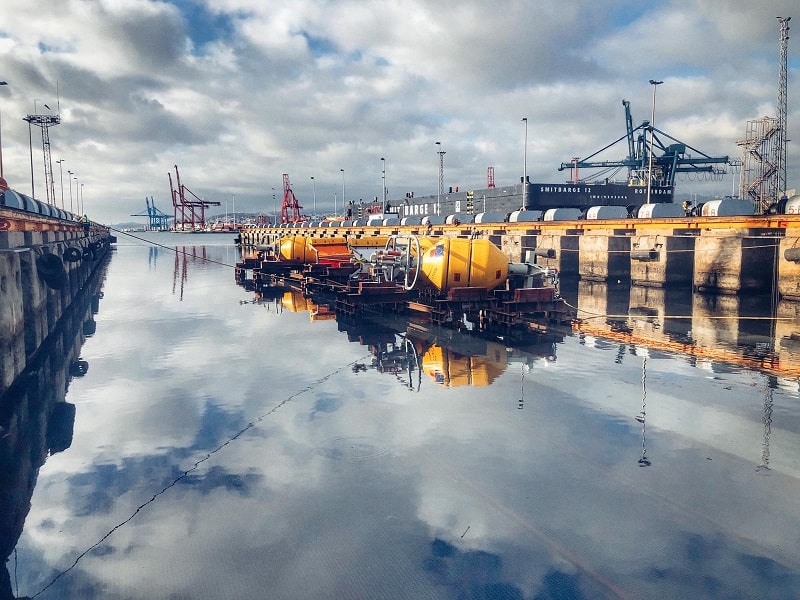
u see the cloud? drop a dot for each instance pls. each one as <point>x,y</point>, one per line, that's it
<point>237,92</point>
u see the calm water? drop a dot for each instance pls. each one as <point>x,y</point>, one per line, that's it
<point>225,447</point>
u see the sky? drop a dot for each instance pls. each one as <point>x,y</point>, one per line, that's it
<point>237,93</point>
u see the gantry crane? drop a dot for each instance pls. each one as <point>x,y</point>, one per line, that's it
<point>672,160</point>
<point>289,203</point>
<point>157,220</point>
<point>193,210</point>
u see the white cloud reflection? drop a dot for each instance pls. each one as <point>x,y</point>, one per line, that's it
<point>348,484</point>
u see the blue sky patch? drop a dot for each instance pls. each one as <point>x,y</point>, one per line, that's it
<point>45,48</point>
<point>319,46</point>
<point>202,25</point>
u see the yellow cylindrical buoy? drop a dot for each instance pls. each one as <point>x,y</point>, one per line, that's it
<point>451,369</point>
<point>457,262</point>
<point>293,247</point>
<point>294,301</point>
<point>311,250</point>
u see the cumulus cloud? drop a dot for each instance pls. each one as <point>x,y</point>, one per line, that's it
<point>237,93</point>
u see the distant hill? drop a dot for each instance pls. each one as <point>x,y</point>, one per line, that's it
<point>129,225</point>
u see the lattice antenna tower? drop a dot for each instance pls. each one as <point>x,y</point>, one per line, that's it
<point>441,154</point>
<point>758,177</point>
<point>782,105</point>
<point>45,121</point>
<point>763,174</point>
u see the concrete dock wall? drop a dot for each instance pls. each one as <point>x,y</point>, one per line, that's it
<point>659,260</point>
<point>730,264</point>
<point>35,419</point>
<point>40,276</point>
<point>604,257</point>
<point>789,267</point>
<point>736,256</point>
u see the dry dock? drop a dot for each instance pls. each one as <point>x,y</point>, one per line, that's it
<point>721,255</point>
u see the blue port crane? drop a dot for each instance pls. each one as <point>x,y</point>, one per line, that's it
<point>158,220</point>
<point>669,158</point>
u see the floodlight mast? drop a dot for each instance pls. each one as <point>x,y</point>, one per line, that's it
<point>44,121</point>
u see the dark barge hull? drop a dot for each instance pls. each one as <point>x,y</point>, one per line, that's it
<point>539,196</point>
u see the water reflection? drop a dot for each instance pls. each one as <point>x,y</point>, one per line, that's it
<point>642,416</point>
<point>226,444</point>
<point>35,420</point>
<point>727,331</point>
<point>766,419</point>
<point>406,348</point>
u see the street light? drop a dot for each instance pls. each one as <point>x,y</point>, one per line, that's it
<point>70,174</point>
<point>30,146</point>
<point>655,84</point>
<point>61,175</point>
<point>343,195</point>
<point>440,189</point>
<point>77,197</point>
<point>83,207</point>
<point>525,167</point>
<point>383,172</point>
<point>1,137</point>
<point>314,189</point>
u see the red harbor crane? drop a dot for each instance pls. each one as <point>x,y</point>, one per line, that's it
<point>193,210</point>
<point>289,203</point>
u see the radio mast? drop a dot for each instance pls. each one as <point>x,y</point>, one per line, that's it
<point>782,106</point>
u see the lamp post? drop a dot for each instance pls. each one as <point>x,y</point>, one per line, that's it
<point>30,147</point>
<point>525,166</point>
<point>314,191</point>
<point>77,197</point>
<point>655,84</point>
<point>83,207</point>
<point>383,174</point>
<point>1,137</point>
<point>274,205</point>
<point>69,176</point>
<point>61,176</point>
<point>440,189</point>
<point>343,195</point>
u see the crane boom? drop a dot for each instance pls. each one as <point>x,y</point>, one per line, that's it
<point>289,203</point>
<point>157,220</point>
<point>629,129</point>
<point>671,160</point>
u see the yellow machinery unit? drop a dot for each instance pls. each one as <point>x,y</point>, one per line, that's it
<point>451,369</point>
<point>295,302</point>
<point>458,262</point>
<point>293,248</point>
<point>313,250</point>
<point>442,263</point>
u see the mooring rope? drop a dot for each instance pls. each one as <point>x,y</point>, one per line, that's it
<point>196,465</point>
<point>172,248</point>
<point>596,315</point>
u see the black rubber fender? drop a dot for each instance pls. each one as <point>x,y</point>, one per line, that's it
<point>60,427</point>
<point>89,327</point>
<point>51,270</point>
<point>98,245</point>
<point>72,254</point>
<point>88,253</point>
<point>78,368</point>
